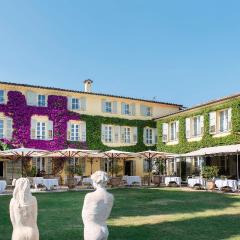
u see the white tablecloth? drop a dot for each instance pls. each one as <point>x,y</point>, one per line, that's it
<point>48,183</point>
<point>226,183</point>
<point>87,181</point>
<point>78,178</point>
<point>3,185</point>
<point>132,179</point>
<point>193,181</point>
<point>172,179</point>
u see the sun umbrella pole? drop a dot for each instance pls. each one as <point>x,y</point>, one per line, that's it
<point>238,169</point>
<point>149,171</point>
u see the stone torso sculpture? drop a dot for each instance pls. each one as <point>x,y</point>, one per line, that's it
<point>97,208</point>
<point>23,212</point>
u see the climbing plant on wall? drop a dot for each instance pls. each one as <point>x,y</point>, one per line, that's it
<point>207,140</point>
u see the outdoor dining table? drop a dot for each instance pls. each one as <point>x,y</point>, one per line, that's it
<point>3,185</point>
<point>220,183</point>
<point>48,183</point>
<point>87,181</point>
<point>177,180</point>
<point>197,180</point>
<point>132,179</point>
<point>78,178</point>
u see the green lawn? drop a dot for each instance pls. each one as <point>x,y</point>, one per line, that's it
<point>138,214</point>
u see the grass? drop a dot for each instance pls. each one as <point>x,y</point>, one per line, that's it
<point>138,214</point>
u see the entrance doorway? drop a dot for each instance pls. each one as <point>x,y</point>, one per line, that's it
<point>128,168</point>
<point>1,169</point>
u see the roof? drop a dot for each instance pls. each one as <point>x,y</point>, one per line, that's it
<point>200,105</point>
<point>89,93</point>
<point>218,150</point>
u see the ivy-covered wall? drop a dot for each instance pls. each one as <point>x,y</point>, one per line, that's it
<point>57,111</point>
<point>207,140</point>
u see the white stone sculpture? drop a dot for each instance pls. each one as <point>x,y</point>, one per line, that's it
<point>97,208</point>
<point>23,212</point>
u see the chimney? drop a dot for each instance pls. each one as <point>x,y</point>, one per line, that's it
<point>88,85</point>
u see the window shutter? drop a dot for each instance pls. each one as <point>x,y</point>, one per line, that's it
<point>202,124</point>
<point>212,122</point>
<point>33,128</point>
<point>116,133</point>
<point>103,133</point>
<point>122,108</point>
<point>114,107</point>
<point>9,128</point>
<point>177,128</point>
<point>188,127</point>
<point>31,98</point>
<point>49,165</point>
<point>143,110</point>
<point>69,131</point>
<point>144,135</point>
<point>229,118</point>
<point>82,103</point>
<point>102,164</point>
<point>133,109</point>
<point>69,103</point>
<point>83,131</point>
<point>83,166</point>
<point>122,134</point>
<point>50,129</point>
<point>103,105</point>
<point>135,135</point>
<point>165,132</point>
<point>155,136</point>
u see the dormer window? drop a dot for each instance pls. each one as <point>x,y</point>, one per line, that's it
<point>41,100</point>
<point>2,96</point>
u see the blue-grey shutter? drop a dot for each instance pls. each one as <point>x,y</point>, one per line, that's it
<point>143,110</point>
<point>103,132</point>
<point>144,135</point>
<point>69,103</point>
<point>83,103</point>
<point>31,98</point>
<point>68,131</point>
<point>114,107</point>
<point>9,128</point>
<point>133,109</point>
<point>83,131</point>
<point>33,128</point>
<point>122,108</point>
<point>50,130</point>
<point>135,135</point>
<point>103,105</point>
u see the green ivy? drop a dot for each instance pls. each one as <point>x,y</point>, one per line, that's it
<point>94,123</point>
<point>207,140</point>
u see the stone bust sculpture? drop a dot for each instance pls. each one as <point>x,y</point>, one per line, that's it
<point>23,212</point>
<point>97,208</point>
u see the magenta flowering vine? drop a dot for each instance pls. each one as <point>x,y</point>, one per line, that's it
<point>21,113</point>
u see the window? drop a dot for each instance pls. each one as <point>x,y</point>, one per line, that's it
<point>146,111</point>
<point>173,131</point>
<point>196,126</point>
<point>126,109</point>
<point>127,135</point>
<point>40,164</point>
<point>75,129</point>
<point>149,136</point>
<point>1,129</point>
<point>108,134</point>
<point>108,107</point>
<point>41,100</point>
<point>75,104</point>
<point>149,111</point>
<point>41,130</point>
<point>2,100</point>
<point>223,121</point>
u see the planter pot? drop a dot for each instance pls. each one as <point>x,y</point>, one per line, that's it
<point>157,180</point>
<point>115,181</point>
<point>71,182</point>
<point>210,185</point>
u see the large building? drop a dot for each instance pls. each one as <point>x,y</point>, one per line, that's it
<point>52,118</point>
<point>215,123</point>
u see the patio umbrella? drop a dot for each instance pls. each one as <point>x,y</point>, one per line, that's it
<point>150,155</point>
<point>71,153</point>
<point>115,154</point>
<point>22,153</point>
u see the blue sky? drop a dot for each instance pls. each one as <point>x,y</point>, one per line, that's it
<point>183,51</point>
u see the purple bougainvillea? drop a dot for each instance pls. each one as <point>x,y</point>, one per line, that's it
<point>21,113</point>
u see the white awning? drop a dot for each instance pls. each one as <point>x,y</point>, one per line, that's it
<point>218,150</point>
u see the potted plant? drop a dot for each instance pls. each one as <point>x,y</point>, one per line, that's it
<point>116,169</point>
<point>209,173</point>
<point>157,170</point>
<point>70,178</point>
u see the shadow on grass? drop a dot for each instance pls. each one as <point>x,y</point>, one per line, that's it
<point>207,228</point>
